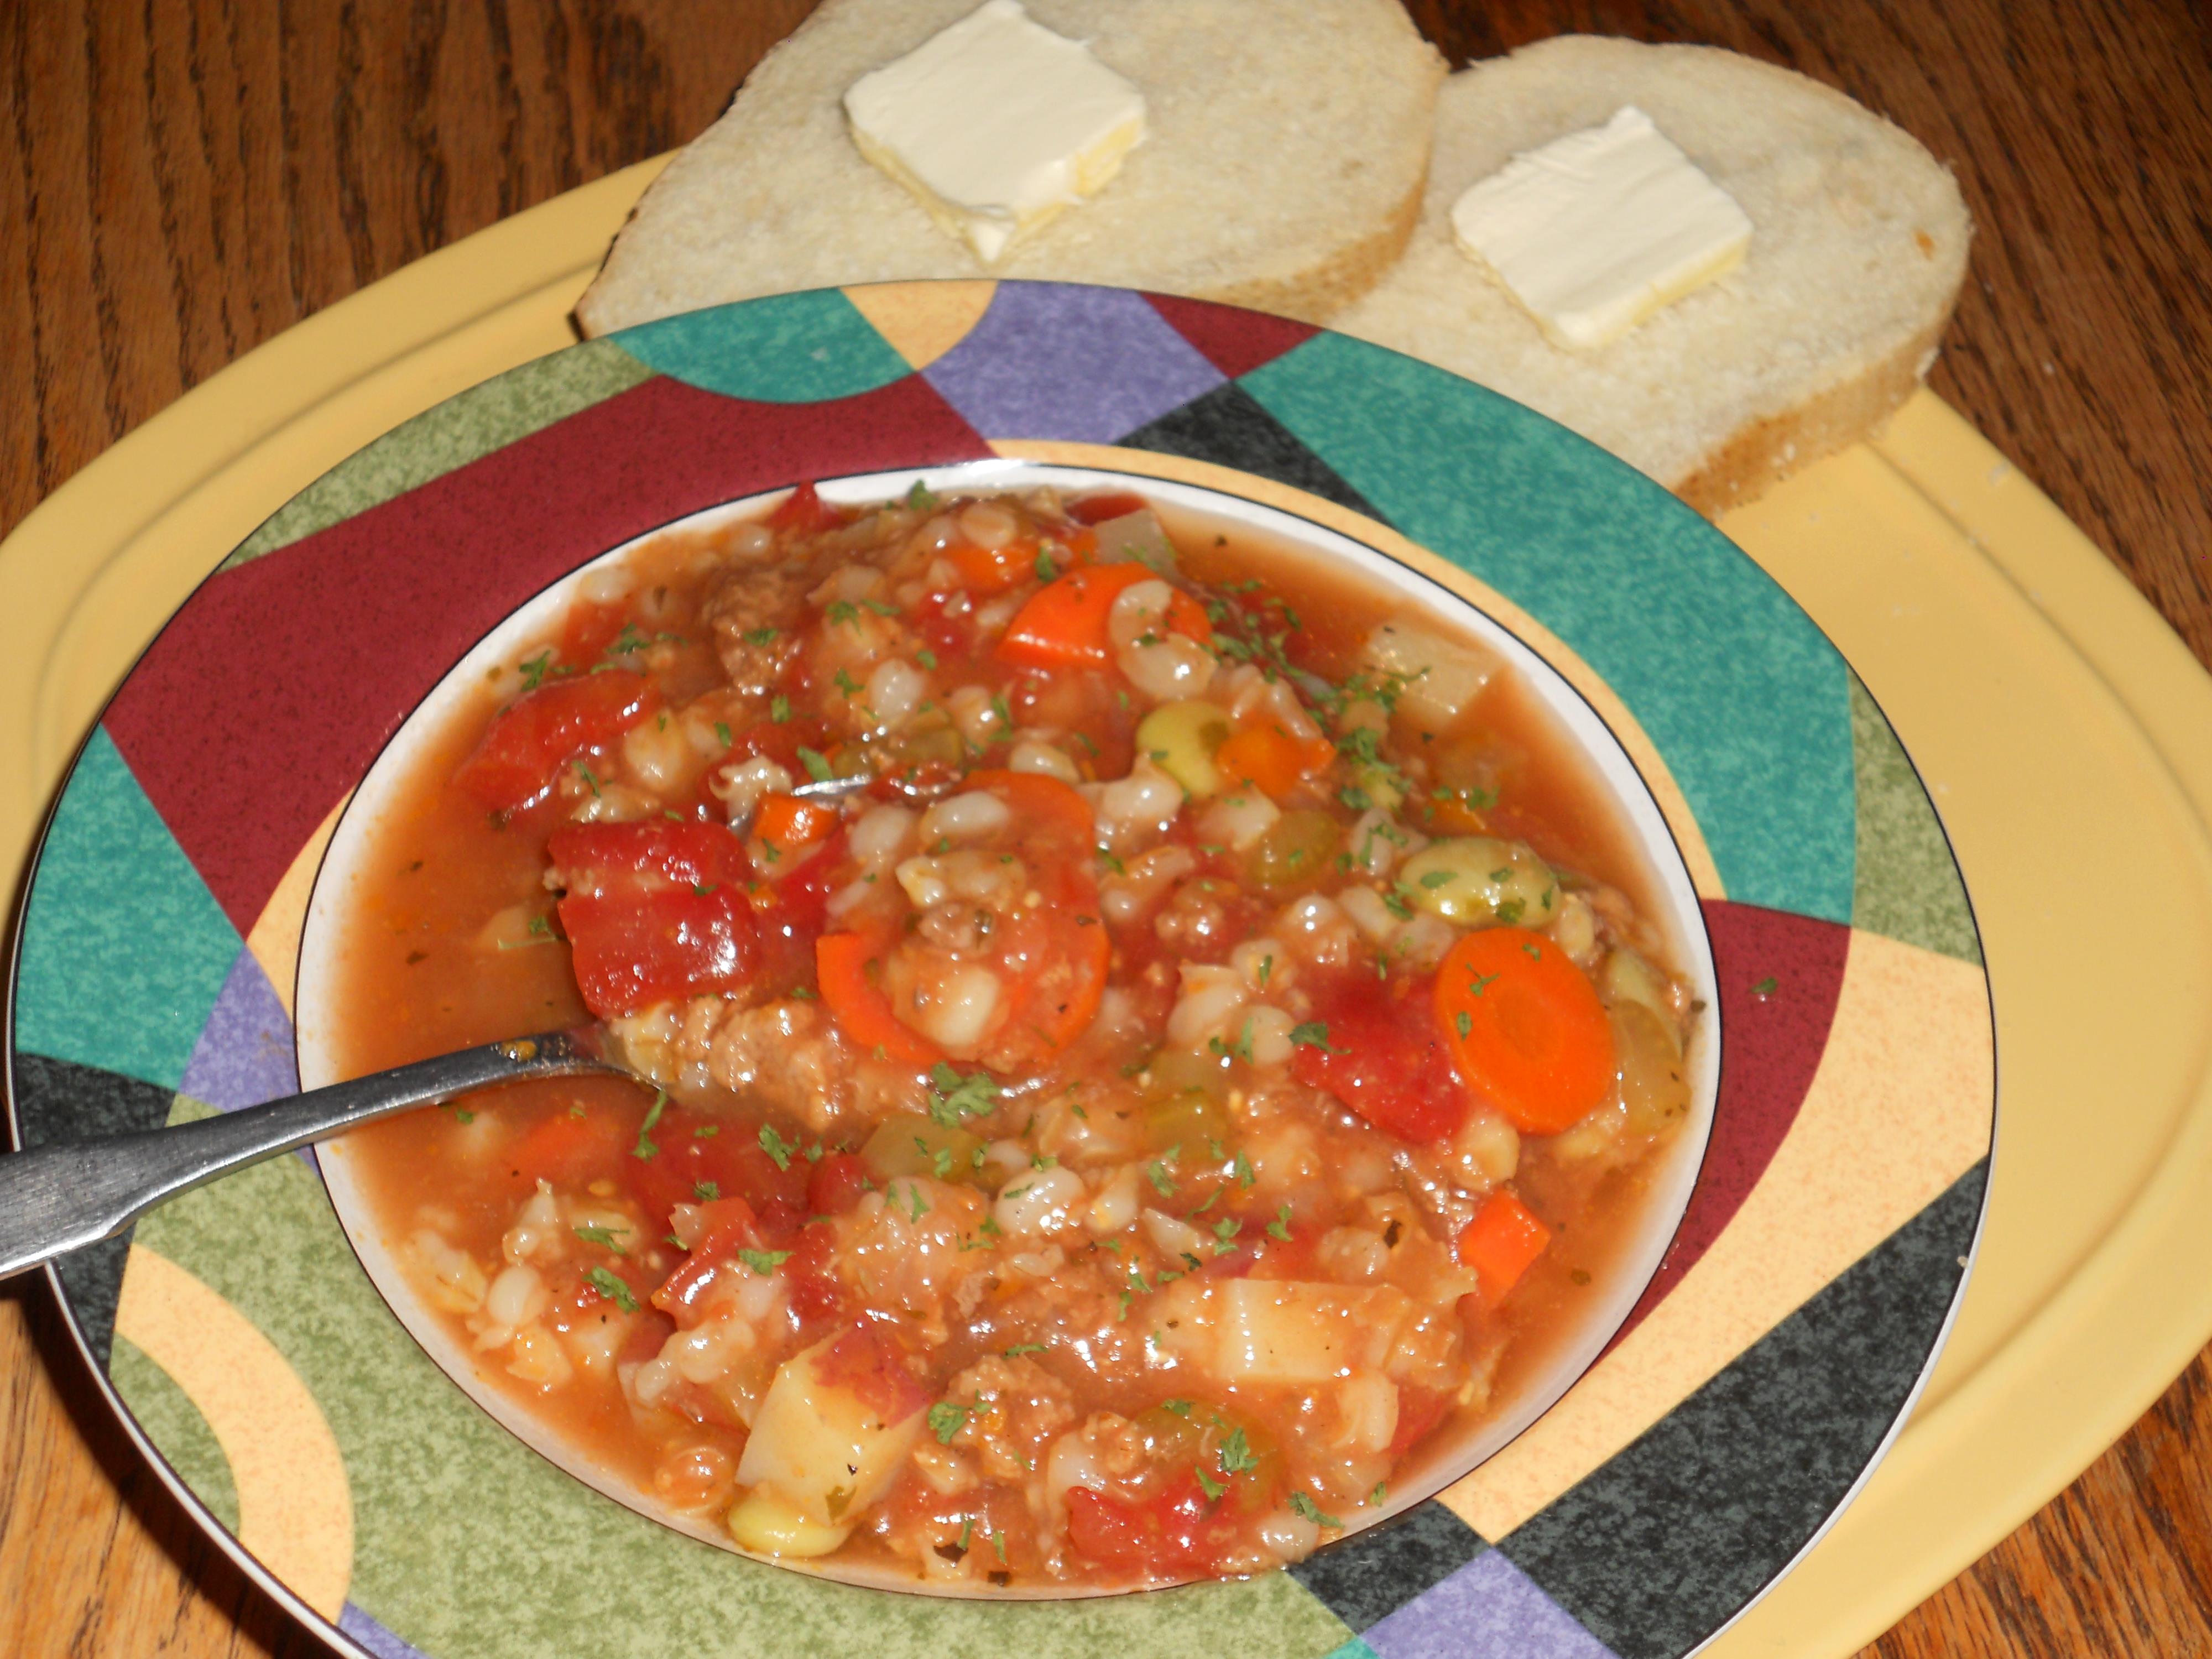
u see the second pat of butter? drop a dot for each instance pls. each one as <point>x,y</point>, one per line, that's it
<point>1597,230</point>
<point>996,124</point>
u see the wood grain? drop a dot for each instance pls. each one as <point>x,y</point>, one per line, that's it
<point>181,179</point>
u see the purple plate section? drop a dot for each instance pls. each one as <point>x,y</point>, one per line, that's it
<point>374,1636</point>
<point>1082,364</point>
<point>1489,1609</point>
<point>243,1055</point>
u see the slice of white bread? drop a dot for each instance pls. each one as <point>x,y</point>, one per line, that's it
<point>1282,169</point>
<point>1858,247</point>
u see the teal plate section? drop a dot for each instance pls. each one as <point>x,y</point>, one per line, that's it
<point>1745,697</point>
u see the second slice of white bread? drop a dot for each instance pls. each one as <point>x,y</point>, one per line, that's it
<point>1858,247</point>
<point>1282,169</point>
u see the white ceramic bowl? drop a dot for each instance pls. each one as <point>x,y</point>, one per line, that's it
<point>1448,1457</point>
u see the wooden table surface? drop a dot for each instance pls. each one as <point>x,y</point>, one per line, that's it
<point>181,179</point>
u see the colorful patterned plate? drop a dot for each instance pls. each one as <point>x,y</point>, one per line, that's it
<point>1785,1336</point>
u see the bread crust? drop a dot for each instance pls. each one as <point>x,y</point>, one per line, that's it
<point>1762,453</point>
<point>1319,292</point>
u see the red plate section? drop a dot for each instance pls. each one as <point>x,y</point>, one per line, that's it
<point>303,663</point>
<point>1235,342</point>
<point>1771,1040</point>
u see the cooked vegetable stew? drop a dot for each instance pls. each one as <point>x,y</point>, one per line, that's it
<point>1148,1035</point>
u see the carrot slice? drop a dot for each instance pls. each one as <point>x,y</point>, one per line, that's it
<point>1036,798</point>
<point>786,821</point>
<point>1525,1029</point>
<point>1271,759</point>
<point>862,1011</point>
<point>1063,623</point>
<point>1504,1238</point>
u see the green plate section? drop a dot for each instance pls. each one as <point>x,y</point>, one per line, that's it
<point>174,1424</point>
<point>116,904</point>
<point>1908,883</point>
<point>462,429</point>
<point>1742,693</point>
<point>792,348</point>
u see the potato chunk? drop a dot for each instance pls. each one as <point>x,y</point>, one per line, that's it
<point>830,1436</point>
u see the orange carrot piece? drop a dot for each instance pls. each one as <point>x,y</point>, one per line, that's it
<point>1036,798</point>
<point>862,1011</point>
<point>1063,623</point>
<point>1502,1242</point>
<point>785,822</point>
<point>1271,759</point>
<point>1525,1029</point>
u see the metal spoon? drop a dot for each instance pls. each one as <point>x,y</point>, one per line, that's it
<point>57,1198</point>
<point>54,1199</point>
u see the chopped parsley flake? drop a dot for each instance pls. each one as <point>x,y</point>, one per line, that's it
<point>947,1420</point>
<point>952,1097</point>
<point>605,1235</point>
<point>1765,987</point>
<point>926,658</point>
<point>1213,1488</point>
<point>610,1285</point>
<point>1157,1173</point>
<point>764,1262</point>
<point>1304,1505</point>
<point>706,1191</point>
<point>817,768</point>
<point>645,1147</point>
<point>1236,1453</point>
<point>779,708</point>
<point>760,636</point>
<point>920,499</point>
<point>722,734</point>
<point>1478,983</point>
<point>1438,878</point>
<point>1280,1226</point>
<point>776,1147</point>
<point>1464,1022</point>
<point>1313,1033</point>
<point>1021,1348</point>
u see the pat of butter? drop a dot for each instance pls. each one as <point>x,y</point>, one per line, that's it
<point>996,124</point>
<point>1595,231</point>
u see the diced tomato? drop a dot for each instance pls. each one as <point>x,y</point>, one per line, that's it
<point>1385,1062</point>
<point>588,631</point>
<point>1419,1410</point>
<point>795,906</point>
<point>1177,1531</point>
<point>818,1295</point>
<point>836,1184</point>
<point>867,1365</point>
<point>1096,509</point>
<point>654,911</point>
<point>805,511</point>
<point>781,742</point>
<point>530,739</point>
<point>729,1229</point>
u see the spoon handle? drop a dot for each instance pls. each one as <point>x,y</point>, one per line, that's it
<point>55,1198</point>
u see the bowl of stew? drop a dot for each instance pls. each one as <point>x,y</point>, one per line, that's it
<point>1164,1035</point>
